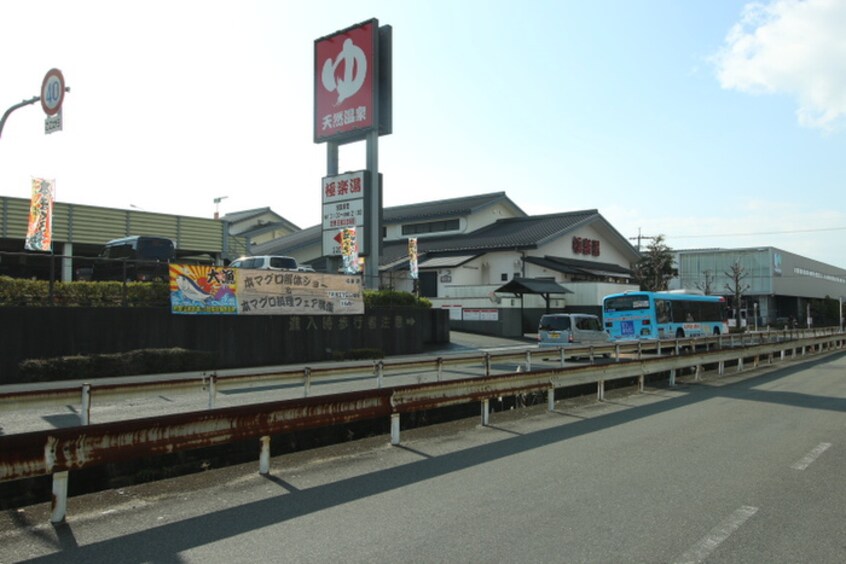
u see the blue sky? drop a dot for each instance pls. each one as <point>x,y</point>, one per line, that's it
<point>716,124</point>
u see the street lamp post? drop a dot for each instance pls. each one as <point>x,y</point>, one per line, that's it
<point>217,206</point>
<point>54,78</point>
<point>29,102</point>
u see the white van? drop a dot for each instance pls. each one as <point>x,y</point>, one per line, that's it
<point>571,329</point>
<point>265,263</point>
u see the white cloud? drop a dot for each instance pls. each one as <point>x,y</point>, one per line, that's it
<point>794,47</point>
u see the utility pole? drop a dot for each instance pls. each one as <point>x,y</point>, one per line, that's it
<point>639,237</point>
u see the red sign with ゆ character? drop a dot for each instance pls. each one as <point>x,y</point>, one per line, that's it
<point>345,86</point>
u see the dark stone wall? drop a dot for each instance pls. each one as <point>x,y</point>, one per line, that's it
<point>236,340</point>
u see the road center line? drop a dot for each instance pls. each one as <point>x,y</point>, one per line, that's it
<point>700,551</point>
<point>811,456</point>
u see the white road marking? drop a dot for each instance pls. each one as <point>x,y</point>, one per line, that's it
<point>811,456</point>
<point>700,551</point>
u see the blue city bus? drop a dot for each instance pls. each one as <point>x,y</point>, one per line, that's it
<point>663,315</point>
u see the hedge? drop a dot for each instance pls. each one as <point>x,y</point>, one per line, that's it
<point>24,292</point>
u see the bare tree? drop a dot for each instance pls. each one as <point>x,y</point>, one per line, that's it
<point>707,286</point>
<point>737,288</point>
<point>655,268</point>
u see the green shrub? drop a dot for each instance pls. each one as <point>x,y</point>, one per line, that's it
<point>393,298</point>
<point>23,292</point>
<point>131,363</point>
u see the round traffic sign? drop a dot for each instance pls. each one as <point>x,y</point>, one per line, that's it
<point>52,92</point>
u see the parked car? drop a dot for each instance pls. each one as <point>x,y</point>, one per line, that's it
<point>569,329</point>
<point>139,258</point>
<point>267,262</point>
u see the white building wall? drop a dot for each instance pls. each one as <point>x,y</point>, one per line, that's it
<point>305,254</point>
<point>563,247</point>
<point>592,293</point>
<point>499,268</point>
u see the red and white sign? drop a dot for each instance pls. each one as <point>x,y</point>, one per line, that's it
<point>52,92</point>
<point>345,86</point>
<point>480,314</point>
<point>343,207</point>
<point>343,187</point>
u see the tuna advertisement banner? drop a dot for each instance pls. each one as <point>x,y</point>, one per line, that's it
<point>39,233</point>
<point>200,289</point>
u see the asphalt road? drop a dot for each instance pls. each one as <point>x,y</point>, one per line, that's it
<point>742,468</point>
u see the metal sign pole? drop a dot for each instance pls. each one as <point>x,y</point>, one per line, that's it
<point>333,262</point>
<point>374,230</point>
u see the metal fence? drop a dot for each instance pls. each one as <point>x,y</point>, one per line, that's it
<point>58,451</point>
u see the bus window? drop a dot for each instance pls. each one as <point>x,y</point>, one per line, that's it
<point>662,311</point>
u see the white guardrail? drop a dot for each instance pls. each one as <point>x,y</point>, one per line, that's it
<point>58,394</point>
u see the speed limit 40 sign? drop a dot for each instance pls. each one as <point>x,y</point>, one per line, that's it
<point>52,92</point>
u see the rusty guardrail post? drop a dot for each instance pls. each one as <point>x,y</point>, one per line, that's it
<point>380,373</point>
<point>395,429</point>
<point>264,457</point>
<point>487,364</point>
<point>211,383</point>
<point>59,503</point>
<point>306,381</point>
<point>85,412</point>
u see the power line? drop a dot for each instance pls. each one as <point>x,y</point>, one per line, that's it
<point>819,230</point>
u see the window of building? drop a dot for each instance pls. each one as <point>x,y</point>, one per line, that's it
<point>430,227</point>
<point>504,277</point>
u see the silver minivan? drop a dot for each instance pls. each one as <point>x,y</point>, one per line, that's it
<point>571,329</point>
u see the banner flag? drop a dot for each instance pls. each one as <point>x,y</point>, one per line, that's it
<point>349,250</point>
<point>412,257</point>
<point>39,233</point>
